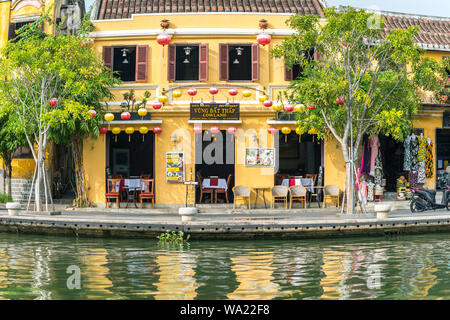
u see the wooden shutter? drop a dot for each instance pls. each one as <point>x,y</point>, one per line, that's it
<point>141,63</point>
<point>172,65</point>
<point>255,62</point>
<point>12,31</point>
<point>108,56</point>
<point>288,73</point>
<point>223,60</point>
<point>203,62</point>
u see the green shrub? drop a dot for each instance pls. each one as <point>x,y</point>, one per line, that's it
<point>5,198</point>
<point>173,237</point>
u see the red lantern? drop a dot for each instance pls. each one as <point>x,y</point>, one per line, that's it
<point>272,130</point>
<point>231,130</point>
<point>232,92</point>
<point>198,130</point>
<point>93,113</point>
<point>311,107</point>
<point>263,39</point>
<point>163,39</point>
<point>192,92</point>
<point>288,108</point>
<point>53,102</point>
<point>214,129</point>
<point>103,130</point>
<point>157,130</point>
<point>213,90</point>
<point>268,103</point>
<point>157,105</point>
<point>125,116</point>
<point>340,101</point>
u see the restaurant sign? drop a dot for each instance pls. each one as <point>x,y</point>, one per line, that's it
<point>214,111</point>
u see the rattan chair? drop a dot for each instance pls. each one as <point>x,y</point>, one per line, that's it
<point>331,193</point>
<point>297,193</point>
<point>279,193</point>
<point>241,193</point>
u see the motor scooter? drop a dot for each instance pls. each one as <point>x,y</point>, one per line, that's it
<point>424,199</point>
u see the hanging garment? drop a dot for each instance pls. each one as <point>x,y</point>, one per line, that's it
<point>414,148</point>
<point>378,170</point>
<point>366,157</point>
<point>429,168</point>
<point>421,176</point>
<point>370,187</point>
<point>374,145</point>
<point>413,178</point>
<point>422,154</point>
<point>363,186</point>
<point>407,156</point>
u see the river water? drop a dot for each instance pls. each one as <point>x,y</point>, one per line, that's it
<point>405,267</point>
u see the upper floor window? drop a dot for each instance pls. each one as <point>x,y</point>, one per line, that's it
<point>15,26</point>
<point>296,71</point>
<point>129,63</point>
<point>447,69</point>
<point>239,62</point>
<point>188,62</point>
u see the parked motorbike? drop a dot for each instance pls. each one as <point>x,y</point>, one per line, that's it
<point>424,199</point>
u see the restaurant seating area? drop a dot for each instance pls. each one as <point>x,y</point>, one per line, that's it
<point>131,190</point>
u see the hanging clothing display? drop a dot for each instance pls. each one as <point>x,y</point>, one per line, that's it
<point>407,157</point>
<point>413,178</point>
<point>414,149</point>
<point>374,143</point>
<point>421,175</point>
<point>370,187</point>
<point>366,156</point>
<point>378,170</point>
<point>429,168</point>
<point>422,157</point>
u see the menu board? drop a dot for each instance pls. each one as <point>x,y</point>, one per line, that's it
<point>259,157</point>
<point>175,167</point>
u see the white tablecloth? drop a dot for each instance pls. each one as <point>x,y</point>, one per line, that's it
<point>131,184</point>
<point>305,182</point>
<point>221,184</point>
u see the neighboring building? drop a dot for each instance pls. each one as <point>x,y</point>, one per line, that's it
<point>213,44</point>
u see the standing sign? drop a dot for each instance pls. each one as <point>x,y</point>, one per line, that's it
<point>214,111</point>
<point>175,167</point>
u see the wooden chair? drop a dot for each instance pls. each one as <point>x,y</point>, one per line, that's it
<point>216,191</point>
<point>147,191</point>
<point>117,176</point>
<point>145,176</point>
<point>113,191</point>
<point>297,193</point>
<point>331,193</point>
<point>241,193</point>
<point>279,193</point>
<point>312,176</point>
<point>209,191</point>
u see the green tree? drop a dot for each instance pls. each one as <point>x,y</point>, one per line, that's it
<point>53,82</point>
<point>364,81</point>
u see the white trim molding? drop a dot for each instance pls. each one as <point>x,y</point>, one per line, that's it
<point>281,122</point>
<point>136,122</point>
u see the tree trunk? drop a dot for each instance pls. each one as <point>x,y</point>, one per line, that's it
<point>8,175</point>
<point>81,199</point>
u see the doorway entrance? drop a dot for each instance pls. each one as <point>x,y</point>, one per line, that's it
<point>442,158</point>
<point>214,166</point>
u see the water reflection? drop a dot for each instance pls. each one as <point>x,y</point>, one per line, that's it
<point>413,267</point>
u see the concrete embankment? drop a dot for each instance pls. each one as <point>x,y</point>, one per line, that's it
<point>260,224</point>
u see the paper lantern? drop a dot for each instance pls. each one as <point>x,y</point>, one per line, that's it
<point>157,130</point>
<point>311,107</point>
<point>116,131</point>
<point>103,130</point>
<point>263,39</point>
<point>142,112</point>
<point>192,92</point>
<point>299,132</point>
<point>340,101</point>
<point>143,130</point>
<point>157,105</point>
<point>285,131</point>
<point>272,130</point>
<point>109,117</point>
<point>288,108</point>
<point>163,39</point>
<point>125,115</point>
<point>313,131</point>
<point>53,102</point>
<point>93,113</point>
<point>232,92</point>
<point>246,93</point>
<point>277,107</point>
<point>214,129</point>
<point>176,94</point>
<point>198,130</point>
<point>268,103</point>
<point>163,99</point>
<point>262,98</point>
<point>231,130</point>
<point>129,131</point>
<point>300,108</point>
<point>213,90</point>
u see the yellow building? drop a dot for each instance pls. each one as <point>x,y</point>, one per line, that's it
<point>210,54</point>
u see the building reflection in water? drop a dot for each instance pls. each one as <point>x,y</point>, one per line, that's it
<point>254,272</point>
<point>335,268</point>
<point>176,276</point>
<point>94,271</point>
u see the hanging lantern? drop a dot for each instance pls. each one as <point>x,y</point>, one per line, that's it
<point>93,113</point>
<point>313,131</point>
<point>214,129</point>
<point>176,94</point>
<point>288,108</point>
<point>285,131</point>
<point>262,98</point>
<point>192,92</point>
<point>103,130</point>
<point>246,93</point>
<point>53,102</point>
<point>142,112</point>
<point>232,92</point>
<point>143,130</point>
<point>232,130</point>
<point>268,103</point>
<point>300,108</point>
<point>277,107</point>
<point>157,130</point>
<point>157,105</point>
<point>311,107</point>
<point>163,99</point>
<point>125,115</point>
<point>272,130</point>
<point>263,38</point>
<point>163,39</point>
<point>340,101</point>
<point>129,131</point>
<point>213,90</point>
<point>116,131</point>
<point>109,117</point>
<point>198,130</point>
<point>299,132</point>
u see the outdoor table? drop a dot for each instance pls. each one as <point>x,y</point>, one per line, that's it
<point>319,194</point>
<point>221,184</point>
<point>305,182</point>
<point>257,189</point>
<point>132,186</point>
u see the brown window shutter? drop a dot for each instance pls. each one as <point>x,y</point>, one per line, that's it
<point>171,65</point>
<point>203,63</point>
<point>141,63</point>
<point>12,31</point>
<point>223,59</point>
<point>318,55</point>
<point>255,62</point>
<point>288,73</point>
<point>108,53</point>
